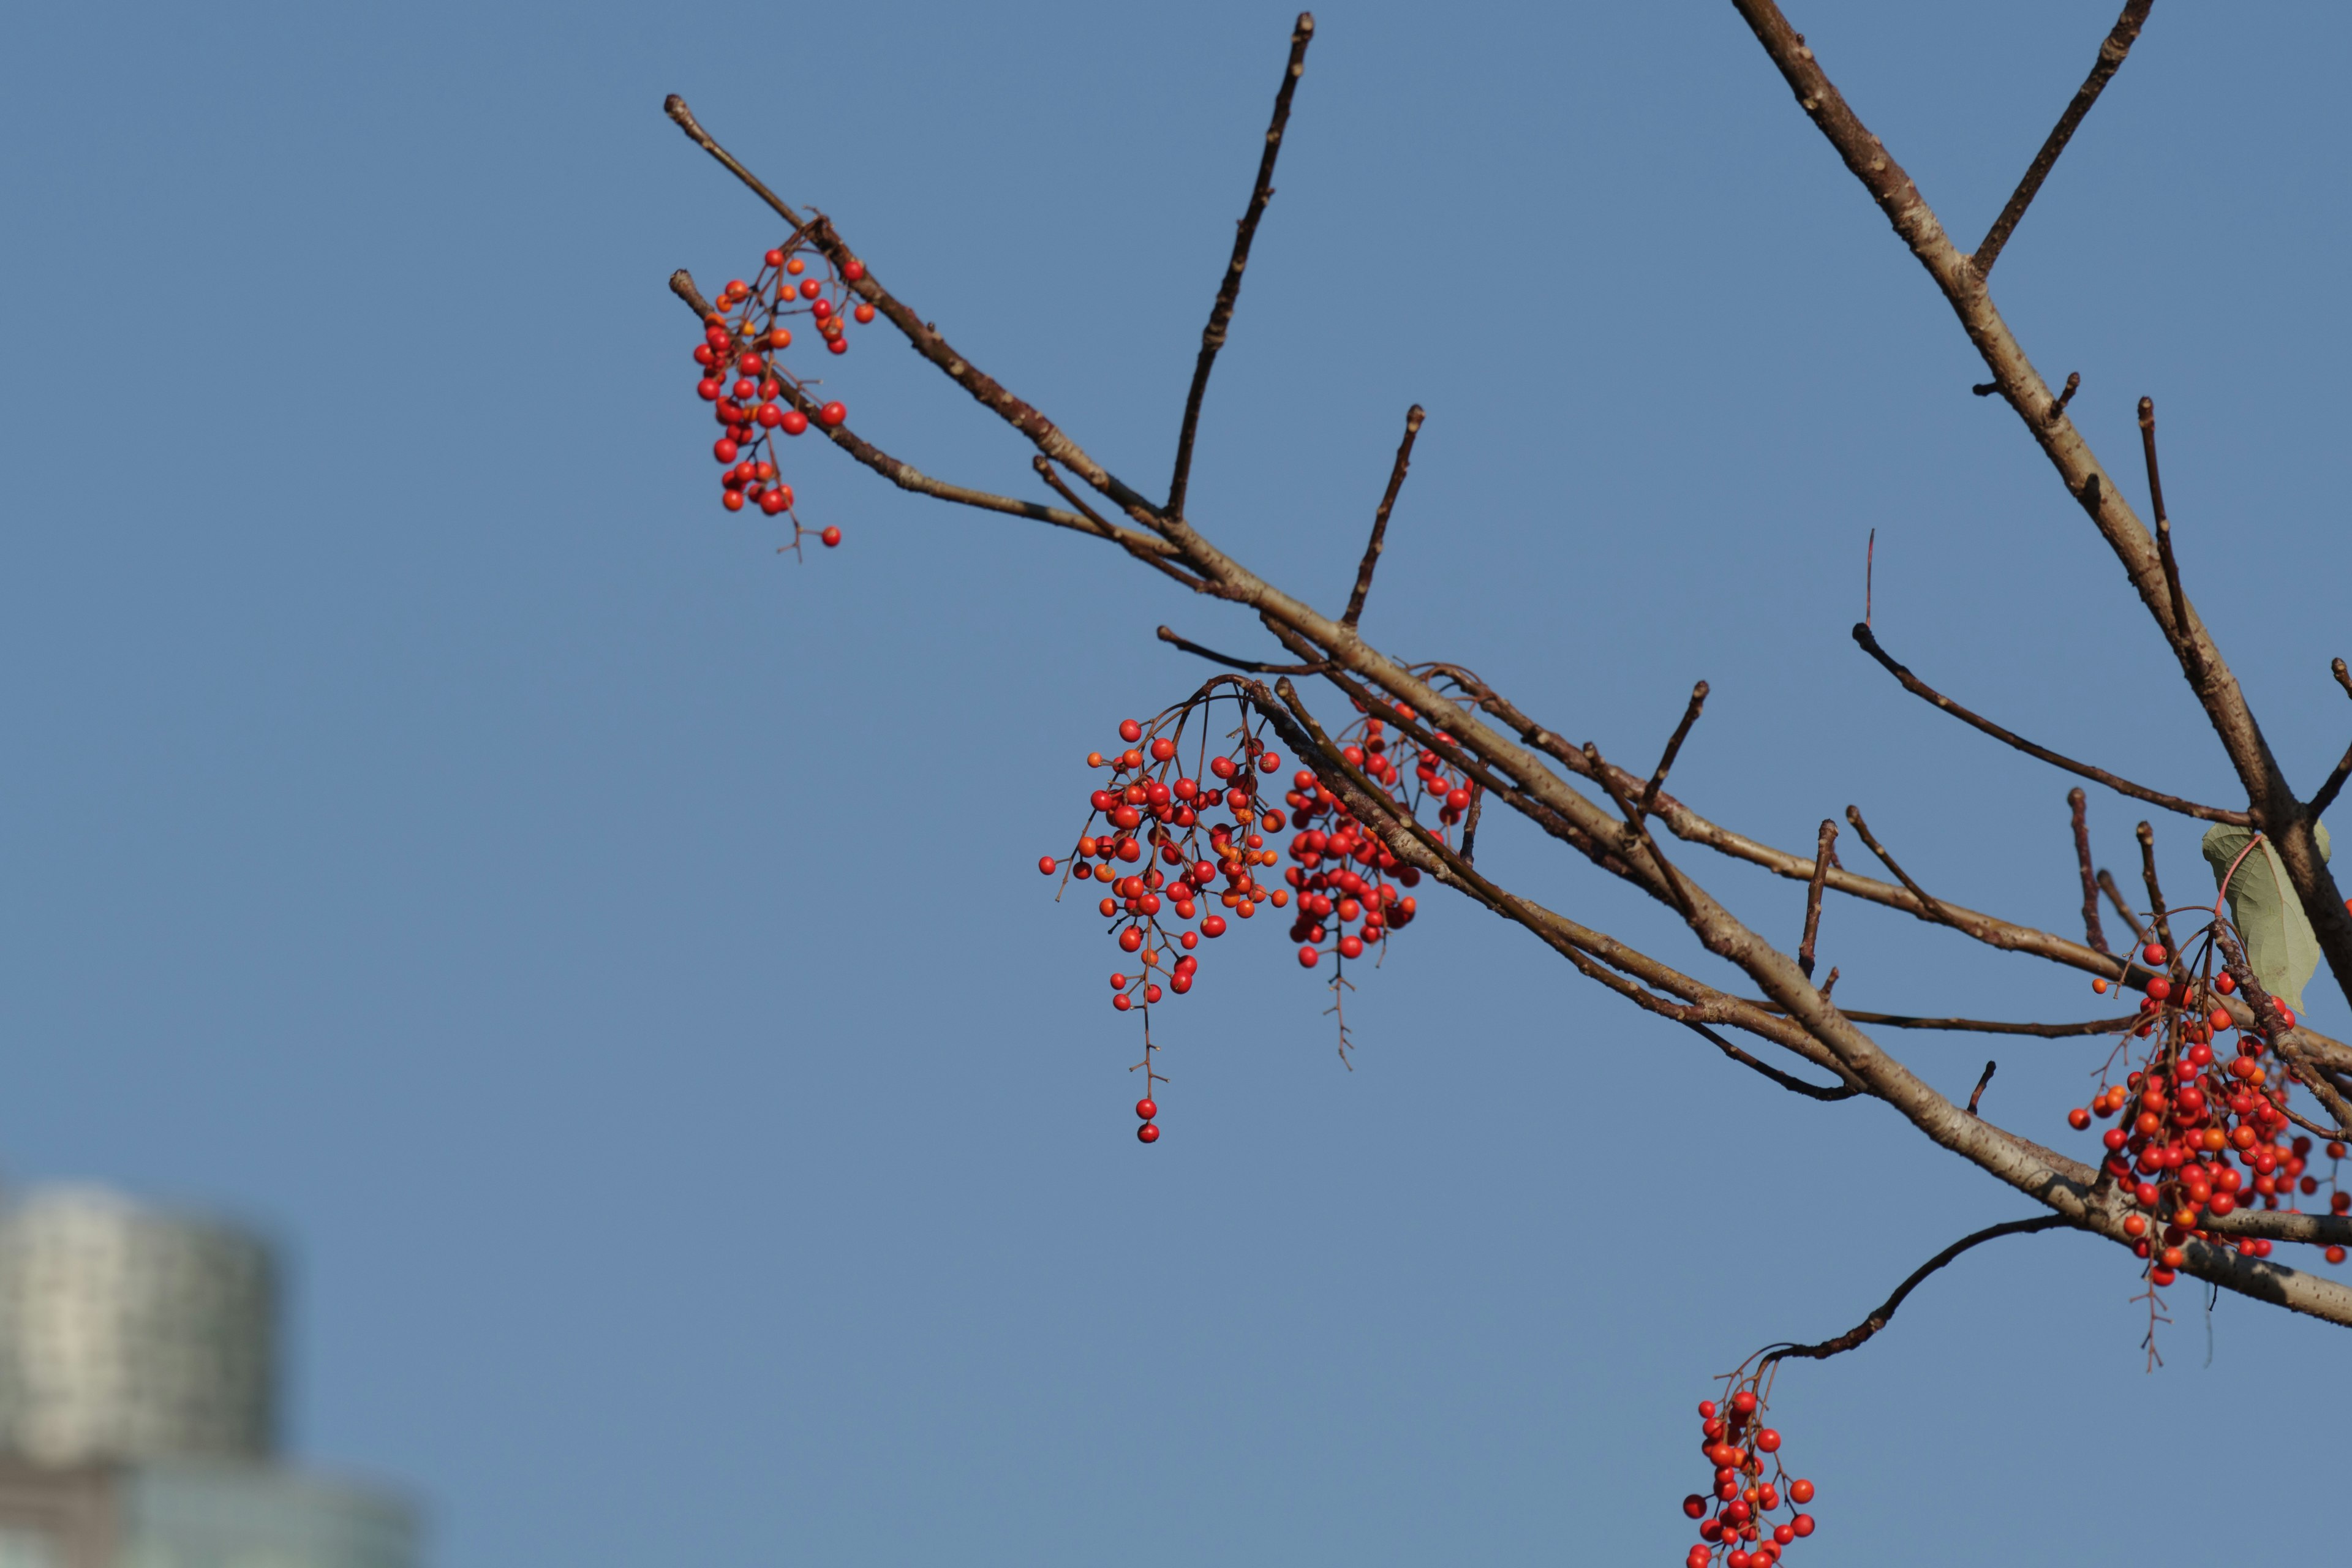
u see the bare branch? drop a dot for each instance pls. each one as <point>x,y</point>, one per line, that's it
<point>2156,914</point>
<point>1918,688</point>
<point>1824,851</point>
<point>1673,748</point>
<point>1990,1026</point>
<point>1869,1326</point>
<point>1221,314</point>
<point>1787,1082</point>
<point>1412,418</point>
<point>1214,657</point>
<point>2334,784</point>
<point>1984,1078</point>
<point>675,106</point>
<point>1470,825</point>
<point>2186,649</point>
<point>2112,51</point>
<point>2115,896</point>
<point>1928,908</point>
<point>2273,1021</point>
<point>1638,831</point>
<point>2092,932</point>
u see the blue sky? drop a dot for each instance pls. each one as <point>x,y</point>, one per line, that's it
<point>611,956</point>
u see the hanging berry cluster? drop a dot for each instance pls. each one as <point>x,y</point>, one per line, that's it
<point>742,373</point>
<point>2203,1132</point>
<point>1735,1513</point>
<point>1178,849</point>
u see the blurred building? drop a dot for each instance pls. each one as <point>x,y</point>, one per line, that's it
<point>138,1401</point>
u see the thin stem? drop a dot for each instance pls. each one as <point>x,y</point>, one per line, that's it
<point>1984,1078</point>
<point>1786,1080</point>
<point>2112,51</point>
<point>2093,931</point>
<point>1673,748</point>
<point>1824,851</point>
<point>1878,1319</point>
<point>1254,666</point>
<point>2155,893</point>
<point>1221,314</point>
<point>1930,908</point>
<point>1918,688</point>
<point>2334,784</point>
<point>1372,548</point>
<point>2115,896</point>
<point>675,106</point>
<point>2181,642</point>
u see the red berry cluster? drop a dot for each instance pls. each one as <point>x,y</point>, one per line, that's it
<point>1737,1526</point>
<point>2206,1129</point>
<point>1340,870</point>
<point>744,339</point>
<point>1176,849</point>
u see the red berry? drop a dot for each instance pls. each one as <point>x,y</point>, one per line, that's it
<point>1128,730</point>
<point>853,269</point>
<point>1309,957</point>
<point>831,536</point>
<point>1147,1134</point>
<point>2224,984</point>
<point>1744,1402</point>
<point>792,421</point>
<point>1767,1441</point>
<point>831,414</point>
<point>775,500</point>
<point>2078,1118</point>
<point>1213,926</point>
<point>775,258</point>
<point>1046,864</point>
<point>864,313</point>
<point>709,388</point>
<point>1707,1409</point>
<point>733,500</point>
<point>2154,952</point>
<point>822,310</point>
<point>1122,1001</point>
<point>1695,1506</point>
<point>1803,1523</point>
<point>1801,1491</point>
<point>1146,1109</point>
<point>839,346</point>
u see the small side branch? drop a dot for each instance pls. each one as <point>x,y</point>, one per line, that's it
<point>1930,908</point>
<point>2157,916</point>
<point>1412,418</point>
<point>1673,748</point>
<point>1918,688</point>
<point>1982,1079</point>
<point>2115,896</point>
<point>2093,932</point>
<point>2334,784</point>
<point>1824,852</point>
<point>675,106</point>
<point>1793,1084</point>
<point>1221,314</point>
<point>2183,645</point>
<point>1253,666</point>
<point>2112,51</point>
<point>1863,1330</point>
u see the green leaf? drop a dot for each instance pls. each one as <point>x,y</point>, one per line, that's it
<point>2281,947</point>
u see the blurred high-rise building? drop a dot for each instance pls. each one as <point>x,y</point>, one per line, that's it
<point>138,1401</point>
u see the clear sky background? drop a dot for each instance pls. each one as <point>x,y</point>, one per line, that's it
<point>611,954</point>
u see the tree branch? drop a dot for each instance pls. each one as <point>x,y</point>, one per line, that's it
<point>1825,850</point>
<point>1918,688</point>
<point>2328,791</point>
<point>2157,916</point>
<point>2111,58</point>
<point>1214,657</point>
<point>1793,1084</point>
<point>1673,748</point>
<point>1928,908</point>
<point>2092,932</point>
<point>1413,417</point>
<point>2115,896</point>
<point>1221,314</point>
<point>1863,1330</point>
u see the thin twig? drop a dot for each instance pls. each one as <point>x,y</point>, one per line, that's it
<point>1221,314</point>
<point>1878,1319</point>
<point>2328,791</point>
<point>2112,51</point>
<point>2182,642</point>
<point>1673,748</point>
<point>1930,908</point>
<point>1984,1025</point>
<point>1786,1080</point>
<point>1825,850</point>
<point>1254,666</point>
<point>2093,932</point>
<point>675,106</point>
<point>2115,896</point>
<point>2058,408</point>
<point>1412,418</point>
<point>1984,1078</point>
<point>2157,916</point>
<point>907,476</point>
<point>1638,830</point>
<point>1918,688</point>
<point>1470,825</point>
